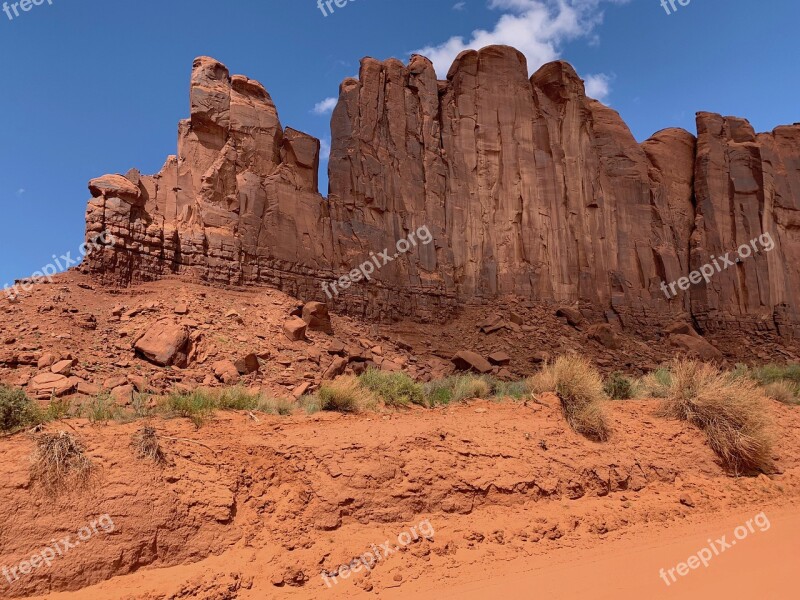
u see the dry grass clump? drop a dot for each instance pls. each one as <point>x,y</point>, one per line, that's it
<point>276,406</point>
<point>145,442</point>
<point>60,461</point>
<point>728,410</point>
<point>783,391</point>
<point>345,394</point>
<point>580,388</point>
<point>654,385</point>
<point>395,389</point>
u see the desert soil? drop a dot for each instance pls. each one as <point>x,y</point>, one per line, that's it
<point>519,505</point>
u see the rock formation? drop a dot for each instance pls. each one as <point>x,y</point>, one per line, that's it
<point>528,187</point>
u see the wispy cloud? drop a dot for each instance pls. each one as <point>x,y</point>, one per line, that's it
<point>325,107</point>
<point>598,86</point>
<point>538,28</point>
<point>459,5</point>
<point>21,192</point>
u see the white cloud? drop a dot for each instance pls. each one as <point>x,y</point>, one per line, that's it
<point>325,106</point>
<point>598,86</point>
<point>20,192</point>
<point>459,5</point>
<point>538,28</point>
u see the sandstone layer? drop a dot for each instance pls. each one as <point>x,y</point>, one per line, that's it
<point>529,188</point>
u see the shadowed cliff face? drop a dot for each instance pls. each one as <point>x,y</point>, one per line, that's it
<point>528,187</point>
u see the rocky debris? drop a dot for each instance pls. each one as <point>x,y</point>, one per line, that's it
<point>302,389</point>
<point>47,385</point>
<point>471,361</point>
<point>164,343</point>
<point>47,360</point>
<point>226,371</point>
<point>681,328</point>
<point>295,329</point>
<point>696,347</point>
<point>500,358</point>
<point>492,323</point>
<point>248,364</point>
<point>604,334</point>
<point>317,317</point>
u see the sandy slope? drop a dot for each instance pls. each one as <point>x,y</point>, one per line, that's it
<point>248,510</point>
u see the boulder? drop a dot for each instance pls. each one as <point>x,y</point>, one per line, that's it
<point>696,347</point>
<point>226,372</point>
<point>295,329</point>
<point>604,334</point>
<point>317,317</point>
<point>500,359</point>
<point>47,385</point>
<point>571,315</point>
<point>63,367</point>
<point>163,343</point>
<point>246,365</point>
<point>471,361</point>
<point>336,368</point>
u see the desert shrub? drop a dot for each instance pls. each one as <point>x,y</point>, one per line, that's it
<point>395,389</point>
<point>457,388</point>
<point>238,398</point>
<point>773,373</point>
<point>101,409</point>
<point>345,394</point>
<point>510,389</point>
<point>57,409</point>
<point>310,403</point>
<point>276,406</point>
<point>60,461</point>
<point>438,393</point>
<point>579,387</point>
<point>730,413</point>
<point>197,406</point>
<point>147,446</point>
<point>618,387</point>
<point>141,406</point>
<point>654,385</point>
<point>783,391</point>
<point>16,409</point>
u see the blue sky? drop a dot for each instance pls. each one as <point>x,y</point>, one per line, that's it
<point>98,86</point>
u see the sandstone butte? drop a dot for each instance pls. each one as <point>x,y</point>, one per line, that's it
<point>530,188</point>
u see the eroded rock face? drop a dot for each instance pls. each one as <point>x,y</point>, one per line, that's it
<point>527,187</point>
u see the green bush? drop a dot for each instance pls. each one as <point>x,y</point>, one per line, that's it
<point>17,410</point>
<point>773,373</point>
<point>345,394</point>
<point>101,409</point>
<point>197,405</point>
<point>395,389</point>
<point>238,398</point>
<point>618,387</point>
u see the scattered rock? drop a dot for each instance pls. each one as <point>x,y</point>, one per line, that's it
<point>471,361</point>
<point>46,385</point>
<point>63,367</point>
<point>295,329</point>
<point>317,317</point>
<point>500,359</point>
<point>572,315</point>
<point>336,368</point>
<point>696,347</point>
<point>163,343</point>
<point>226,371</point>
<point>247,364</point>
<point>604,334</point>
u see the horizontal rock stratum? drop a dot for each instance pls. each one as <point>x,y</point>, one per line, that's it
<point>529,188</point>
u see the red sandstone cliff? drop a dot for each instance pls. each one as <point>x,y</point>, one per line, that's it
<point>528,186</point>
